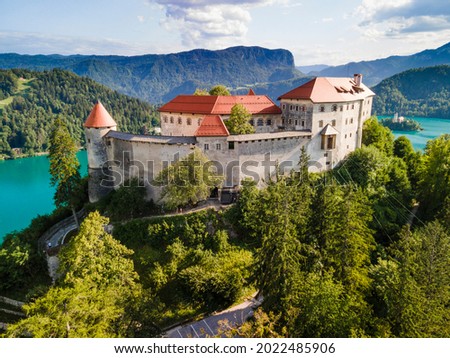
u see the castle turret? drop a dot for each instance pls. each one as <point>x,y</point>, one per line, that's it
<point>97,125</point>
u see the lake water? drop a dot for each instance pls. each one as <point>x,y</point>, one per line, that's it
<point>432,128</point>
<point>25,191</point>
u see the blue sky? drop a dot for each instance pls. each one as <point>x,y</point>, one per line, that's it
<point>315,31</point>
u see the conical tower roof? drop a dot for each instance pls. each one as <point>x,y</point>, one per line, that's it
<point>99,118</point>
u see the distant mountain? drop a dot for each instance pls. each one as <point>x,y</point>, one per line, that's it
<point>158,78</point>
<point>377,70</point>
<point>312,69</point>
<point>30,101</point>
<point>422,92</point>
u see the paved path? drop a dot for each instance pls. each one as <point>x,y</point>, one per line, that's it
<point>209,326</point>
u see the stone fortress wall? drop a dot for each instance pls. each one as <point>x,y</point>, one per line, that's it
<point>325,116</point>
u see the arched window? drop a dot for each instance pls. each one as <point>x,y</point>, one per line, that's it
<point>171,119</point>
<point>180,121</point>
<point>322,109</point>
<point>199,121</point>
<point>334,107</point>
<point>260,122</point>
<point>165,119</point>
<point>189,121</point>
<point>269,122</point>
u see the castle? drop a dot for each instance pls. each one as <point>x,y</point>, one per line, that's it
<point>324,115</point>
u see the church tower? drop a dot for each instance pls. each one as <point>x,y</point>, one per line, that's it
<point>97,125</point>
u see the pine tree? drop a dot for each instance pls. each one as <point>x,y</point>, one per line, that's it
<point>278,259</point>
<point>64,167</point>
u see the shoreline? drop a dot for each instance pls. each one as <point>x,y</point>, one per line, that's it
<point>37,154</point>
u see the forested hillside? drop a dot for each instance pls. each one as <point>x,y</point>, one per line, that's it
<point>30,101</point>
<point>421,92</point>
<point>159,78</point>
<point>342,253</point>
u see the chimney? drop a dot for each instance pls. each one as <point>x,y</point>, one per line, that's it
<point>357,77</point>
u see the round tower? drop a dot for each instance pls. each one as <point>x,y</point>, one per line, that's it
<point>97,125</point>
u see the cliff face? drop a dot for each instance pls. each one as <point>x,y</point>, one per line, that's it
<point>158,78</point>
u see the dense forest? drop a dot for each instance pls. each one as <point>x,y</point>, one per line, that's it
<point>420,92</point>
<point>362,250</point>
<point>31,101</point>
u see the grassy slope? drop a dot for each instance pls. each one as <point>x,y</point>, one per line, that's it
<point>24,86</point>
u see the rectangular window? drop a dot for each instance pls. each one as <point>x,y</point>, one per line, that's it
<point>231,145</point>
<point>206,146</point>
<point>269,122</point>
<point>218,146</point>
<point>303,123</point>
<point>333,122</point>
<point>351,120</point>
<point>320,124</point>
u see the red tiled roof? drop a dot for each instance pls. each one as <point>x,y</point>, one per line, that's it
<point>329,89</point>
<point>212,126</point>
<point>99,118</point>
<point>220,105</point>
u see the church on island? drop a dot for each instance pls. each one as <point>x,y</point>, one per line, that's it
<point>324,115</point>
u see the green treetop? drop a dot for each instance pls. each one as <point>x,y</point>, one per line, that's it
<point>377,135</point>
<point>187,181</point>
<point>238,123</point>
<point>219,90</point>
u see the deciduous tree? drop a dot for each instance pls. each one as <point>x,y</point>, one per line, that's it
<point>238,123</point>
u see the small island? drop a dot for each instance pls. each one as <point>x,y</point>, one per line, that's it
<point>401,123</point>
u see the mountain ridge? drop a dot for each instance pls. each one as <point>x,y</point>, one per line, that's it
<point>375,71</point>
<point>157,78</point>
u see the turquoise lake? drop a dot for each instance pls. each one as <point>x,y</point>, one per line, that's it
<point>25,191</point>
<point>432,128</point>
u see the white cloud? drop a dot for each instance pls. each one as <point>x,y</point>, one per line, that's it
<point>211,23</point>
<point>397,18</point>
